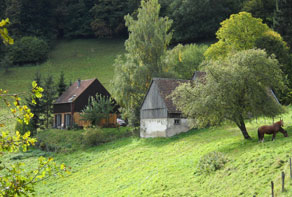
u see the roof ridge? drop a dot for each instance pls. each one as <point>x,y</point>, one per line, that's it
<point>160,78</point>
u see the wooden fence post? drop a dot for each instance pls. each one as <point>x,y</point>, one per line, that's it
<point>283,181</point>
<point>272,186</point>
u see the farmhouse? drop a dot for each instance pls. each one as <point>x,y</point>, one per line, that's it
<point>159,116</point>
<point>68,106</point>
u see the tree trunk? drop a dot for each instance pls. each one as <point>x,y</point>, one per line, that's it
<point>241,126</point>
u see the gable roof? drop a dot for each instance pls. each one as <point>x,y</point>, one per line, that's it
<point>73,92</point>
<point>166,87</point>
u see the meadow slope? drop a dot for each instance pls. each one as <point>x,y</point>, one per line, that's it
<point>83,59</point>
<point>151,167</point>
<point>167,167</point>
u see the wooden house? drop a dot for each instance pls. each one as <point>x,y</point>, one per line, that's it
<point>69,105</point>
<point>159,116</point>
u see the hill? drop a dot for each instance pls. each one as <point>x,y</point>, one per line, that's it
<point>168,167</point>
<point>78,59</point>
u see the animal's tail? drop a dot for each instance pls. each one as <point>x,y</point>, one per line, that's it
<point>259,136</point>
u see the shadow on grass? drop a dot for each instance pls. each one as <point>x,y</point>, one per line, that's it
<point>165,141</point>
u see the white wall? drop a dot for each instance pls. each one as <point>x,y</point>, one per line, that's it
<point>163,127</point>
<point>173,129</point>
<point>153,127</point>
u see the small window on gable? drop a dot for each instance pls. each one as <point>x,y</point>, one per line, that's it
<point>176,121</point>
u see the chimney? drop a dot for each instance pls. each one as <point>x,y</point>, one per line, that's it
<point>78,83</point>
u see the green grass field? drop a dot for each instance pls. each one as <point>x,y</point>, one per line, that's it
<point>167,167</point>
<point>150,167</point>
<point>83,59</point>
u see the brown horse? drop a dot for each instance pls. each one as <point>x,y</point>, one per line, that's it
<point>271,129</point>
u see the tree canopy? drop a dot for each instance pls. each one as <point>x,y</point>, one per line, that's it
<point>148,39</point>
<point>235,88</point>
<point>239,32</point>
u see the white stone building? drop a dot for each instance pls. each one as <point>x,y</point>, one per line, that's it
<point>159,116</point>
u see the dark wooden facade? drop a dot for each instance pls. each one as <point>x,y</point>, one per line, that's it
<point>69,105</point>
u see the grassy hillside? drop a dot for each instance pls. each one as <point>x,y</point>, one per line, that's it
<point>78,59</point>
<point>167,167</point>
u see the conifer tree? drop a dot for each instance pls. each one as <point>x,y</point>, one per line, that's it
<point>61,87</point>
<point>49,96</point>
<point>37,108</point>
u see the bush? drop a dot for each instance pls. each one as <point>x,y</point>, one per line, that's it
<point>23,128</point>
<point>211,162</point>
<point>28,50</point>
<point>95,135</point>
<point>56,140</point>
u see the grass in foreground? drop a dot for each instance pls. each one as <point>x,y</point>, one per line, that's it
<point>83,59</point>
<point>167,167</point>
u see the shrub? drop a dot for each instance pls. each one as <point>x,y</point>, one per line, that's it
<point>211,162</point>
<point>56,140</point>
<point>29,50</point>
<point>23,128</point>
<point>94,136</point>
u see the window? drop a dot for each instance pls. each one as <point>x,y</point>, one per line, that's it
<point>176,121</point>
<point>58,120</point>
<point>67,120</point>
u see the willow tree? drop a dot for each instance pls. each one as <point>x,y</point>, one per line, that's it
<point>148,39</point>
<point>234,89</point>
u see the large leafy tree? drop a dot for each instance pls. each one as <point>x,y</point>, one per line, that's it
<point>183,60</point>
<point>242,31</point>
<point>148,40</point>
<point>196,20</point>
<point>108,17</point>
<point>235,89</point>
<point>239,32</point>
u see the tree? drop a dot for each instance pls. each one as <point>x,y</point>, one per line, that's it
<point>197,20</point>
<point>98,108</point>
<point>148,40</point>
<point>4,32</point>
<point>184,60</point>
<point>239,32</point>
<point>108,17</point>
<point>234,89</point>
<point>49,96</point>
<point>37,108</point>
<point>14,180</point>
<point>61,86</point>
<point>264,9</point>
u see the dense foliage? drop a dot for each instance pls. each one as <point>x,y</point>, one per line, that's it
<point>196,20</point>
<point>211,162</point>
<point>15,180</point>
<point>183,60</point>
<point>99,107</point>
<point>235,89</point>
<point>28,50</point>
<point>148,40</point>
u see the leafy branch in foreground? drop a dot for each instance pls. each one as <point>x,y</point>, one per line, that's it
<point>14,179</point>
